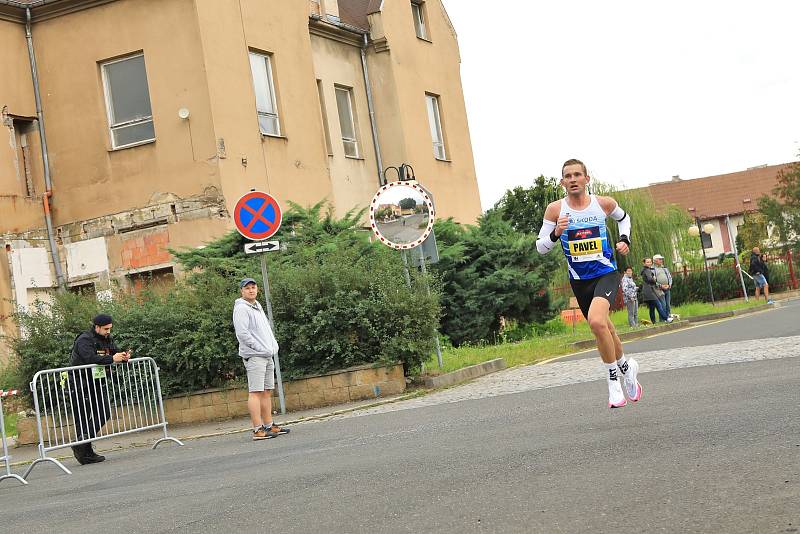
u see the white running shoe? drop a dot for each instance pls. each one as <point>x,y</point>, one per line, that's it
<point>615,397</point>
<point>632,386</point>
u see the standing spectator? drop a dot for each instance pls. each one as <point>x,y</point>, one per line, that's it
<point>630,297</point>
<point>758,270</point>
<point>766,267</point>
<point>88,388</point>
<point>257,347</point>
<point>664,280</point>
<point>651,293</point>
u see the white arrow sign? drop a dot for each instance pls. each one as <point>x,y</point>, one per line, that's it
<point>262,246</point>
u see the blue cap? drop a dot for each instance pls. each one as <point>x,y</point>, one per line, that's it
<point>246,281</point>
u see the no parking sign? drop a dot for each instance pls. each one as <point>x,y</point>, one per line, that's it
<point>257,215</point>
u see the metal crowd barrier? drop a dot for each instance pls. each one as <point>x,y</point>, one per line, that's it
<point>85,403</point>
<point>6,458</point>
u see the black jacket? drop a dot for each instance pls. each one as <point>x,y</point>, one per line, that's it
<point>90,347</point>
<point>649,285</point>
<point>756,265</point>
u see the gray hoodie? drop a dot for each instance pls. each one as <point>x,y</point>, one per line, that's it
<point>253,331</point>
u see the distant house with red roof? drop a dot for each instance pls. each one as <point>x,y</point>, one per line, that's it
<point>712,198</point>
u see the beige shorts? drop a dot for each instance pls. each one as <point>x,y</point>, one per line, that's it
<point>260,373</point>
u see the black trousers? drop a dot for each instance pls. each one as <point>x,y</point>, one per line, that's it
<point>90,404</point>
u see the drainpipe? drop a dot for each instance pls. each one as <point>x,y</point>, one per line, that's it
<point>45,158</point>
<point>372,122</point>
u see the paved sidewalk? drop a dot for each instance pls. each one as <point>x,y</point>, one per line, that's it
<point>552,374</point>
<point>27,453</point>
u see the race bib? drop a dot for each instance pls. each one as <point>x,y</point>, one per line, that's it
<point>98,373</point>
<point>585,244</point>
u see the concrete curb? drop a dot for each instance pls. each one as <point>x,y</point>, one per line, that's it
<point>627,336</point>
<point>466,373</point>
<point>590,343</point>
<point>732,313</point>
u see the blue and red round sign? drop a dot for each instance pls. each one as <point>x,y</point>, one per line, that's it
<point>257,216</point>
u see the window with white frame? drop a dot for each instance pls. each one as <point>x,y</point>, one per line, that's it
<point>418,11</point>
<point>344,101</point>
<point>130,117</point>
<point>324,110</point>
<point>266,103</point>
<point>435,123</point>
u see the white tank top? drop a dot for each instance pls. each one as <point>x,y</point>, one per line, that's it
<point>586,242</point>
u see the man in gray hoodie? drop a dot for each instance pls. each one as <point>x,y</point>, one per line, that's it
<point>664,281</point>
<point>257,347</point>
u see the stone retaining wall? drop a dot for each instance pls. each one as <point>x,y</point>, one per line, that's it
<point>339,387</point>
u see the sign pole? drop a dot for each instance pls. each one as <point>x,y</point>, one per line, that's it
<point>275,358</point>
<point>736,256</point>
<point>436,334</point>
<point>405,268</point>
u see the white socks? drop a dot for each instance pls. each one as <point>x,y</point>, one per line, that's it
<point>622,363</point>
<point>612,371</point>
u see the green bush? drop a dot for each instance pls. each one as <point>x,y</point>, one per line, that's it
<point>725,283</point>
<point>338,301</point>
<point>694,286</point>
<point>350,308</point>
<point>522,332</point>
<point>487,272</point>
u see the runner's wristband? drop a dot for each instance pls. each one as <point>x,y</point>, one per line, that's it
<point>624,239</point>
<point>553,236</point>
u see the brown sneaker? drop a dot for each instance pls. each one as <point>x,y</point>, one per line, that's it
<point>263,433</point>
<point>278,430</point>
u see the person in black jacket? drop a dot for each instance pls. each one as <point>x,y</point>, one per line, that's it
<point>90,402</point>
<point>759,271</point>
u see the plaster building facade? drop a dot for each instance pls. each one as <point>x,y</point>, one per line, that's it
<point>133,126</point>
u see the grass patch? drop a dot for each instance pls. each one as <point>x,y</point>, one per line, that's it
<point>546,347</point>
<point>10,420</point>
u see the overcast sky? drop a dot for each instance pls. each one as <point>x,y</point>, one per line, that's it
<point>639,91</point>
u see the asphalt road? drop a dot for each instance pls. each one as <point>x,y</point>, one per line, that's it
<point>404,229</point>
<point>709,449</point>
<point>782,321</point>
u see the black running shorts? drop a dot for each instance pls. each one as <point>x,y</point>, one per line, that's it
<point>604,287</point>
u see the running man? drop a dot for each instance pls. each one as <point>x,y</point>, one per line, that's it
<point>579,222</point>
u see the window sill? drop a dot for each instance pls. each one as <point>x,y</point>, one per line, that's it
<point>357,158</point>
<point>443,160</point>
<point>132,145</point>
<point>424,39</point>
<point>271,136</point>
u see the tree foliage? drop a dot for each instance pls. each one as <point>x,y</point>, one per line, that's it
<point>523,207</point>
<point>783,211</point>
<point>487,272</point>
<point>407,204</point>
<point>655,229</point>
<point>752,232</point>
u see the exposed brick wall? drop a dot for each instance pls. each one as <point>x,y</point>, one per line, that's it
<point>146,250</point>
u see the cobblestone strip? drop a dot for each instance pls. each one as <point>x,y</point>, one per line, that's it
<point>554,374</point>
